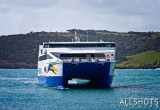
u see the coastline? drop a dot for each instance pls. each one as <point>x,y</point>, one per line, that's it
<point>33,67</point>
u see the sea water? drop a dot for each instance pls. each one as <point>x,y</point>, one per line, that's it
<point>19,90</point>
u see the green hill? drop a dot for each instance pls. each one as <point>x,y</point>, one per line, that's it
<point>142,60</point>
<point>21,50</point>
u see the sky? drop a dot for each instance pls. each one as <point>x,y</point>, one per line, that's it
<point>24,16</point>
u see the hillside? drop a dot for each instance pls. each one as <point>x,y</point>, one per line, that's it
<point>148,59</point>
<point>21,51</point>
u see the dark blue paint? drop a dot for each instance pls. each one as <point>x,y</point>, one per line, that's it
<point>98,73</point>
<point>55,81</point>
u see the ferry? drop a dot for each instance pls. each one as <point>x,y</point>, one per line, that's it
<point>59,62</point>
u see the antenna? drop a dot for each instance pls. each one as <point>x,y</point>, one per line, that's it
<point>75,35</point>
<point>77,39</point>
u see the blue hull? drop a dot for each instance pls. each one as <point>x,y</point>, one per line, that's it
<point>54,81</point>
<point>100,74</point>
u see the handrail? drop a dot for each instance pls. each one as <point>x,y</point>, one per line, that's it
<point>84,59</point>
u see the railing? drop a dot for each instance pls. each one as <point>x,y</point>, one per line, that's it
<point>84,59</point>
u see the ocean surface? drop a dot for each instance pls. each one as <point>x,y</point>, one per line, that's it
<point>19,90</point>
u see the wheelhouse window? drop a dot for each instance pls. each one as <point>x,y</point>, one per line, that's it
<point>78,45</point>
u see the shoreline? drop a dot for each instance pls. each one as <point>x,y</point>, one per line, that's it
<point>115,68</point>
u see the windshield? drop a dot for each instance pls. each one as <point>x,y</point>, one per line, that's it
<point>78,45</point>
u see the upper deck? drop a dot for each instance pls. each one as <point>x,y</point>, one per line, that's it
<point>79,51</point>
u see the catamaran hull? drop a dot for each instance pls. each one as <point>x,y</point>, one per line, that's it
<point>100,74</point>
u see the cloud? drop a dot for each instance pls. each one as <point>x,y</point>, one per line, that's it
<point>22,16</point>
<point>28,3</point>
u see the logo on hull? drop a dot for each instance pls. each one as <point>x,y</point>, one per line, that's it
<point>50,67</point>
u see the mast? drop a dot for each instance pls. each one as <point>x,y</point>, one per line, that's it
<point>76,37</point>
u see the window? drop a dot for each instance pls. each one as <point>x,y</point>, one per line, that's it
<point>97,55</point>
<point>72,55</point>
<point>81,55</point>
<point>78,45</point>
<point>49,57</point>
<point>44,57</point>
